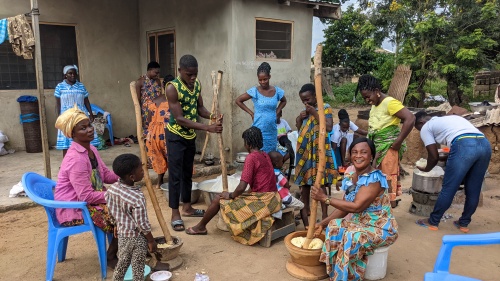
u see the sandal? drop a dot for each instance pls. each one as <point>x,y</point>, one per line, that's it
<point>191,231</point>
<point>178,225</point>
<point>425,223</point>
<point>196,213</point>
<point>464,229</point>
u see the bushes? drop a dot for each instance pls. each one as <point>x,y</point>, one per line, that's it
<point>344,94</point>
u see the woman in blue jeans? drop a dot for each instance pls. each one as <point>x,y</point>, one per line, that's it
<point>470,154</point>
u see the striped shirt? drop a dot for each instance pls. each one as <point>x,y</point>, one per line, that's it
<point>128,206</point>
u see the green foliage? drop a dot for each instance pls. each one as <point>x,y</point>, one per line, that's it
<point>348,42</point>
<point>344,94</point>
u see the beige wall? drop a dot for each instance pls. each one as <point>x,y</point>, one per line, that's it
<point>202,29</point>
<point>112,46</point>
<point>288,75</point>
<point>221,35</point>
<point>107,44</point>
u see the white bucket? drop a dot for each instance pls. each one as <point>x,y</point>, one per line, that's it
<point>376,267</point>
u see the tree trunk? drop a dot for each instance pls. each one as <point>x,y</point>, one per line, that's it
<point>453,92</point>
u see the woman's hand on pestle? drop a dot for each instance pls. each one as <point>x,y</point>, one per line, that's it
<point>318,228</point>
<point>318,194</point>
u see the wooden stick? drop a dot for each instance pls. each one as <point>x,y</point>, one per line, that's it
<point>219,135</point>
<point>321,143</point>
<point>210,121</point>
<point>144,160</point>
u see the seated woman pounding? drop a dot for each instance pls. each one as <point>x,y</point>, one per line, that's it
<point>248,216</point>
<point>349,241</point>
<point>81,177</point>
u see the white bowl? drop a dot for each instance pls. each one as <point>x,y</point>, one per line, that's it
<point>162,275</point>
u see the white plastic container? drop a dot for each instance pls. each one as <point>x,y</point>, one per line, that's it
<point>376,267</point>
<point>161,276</point>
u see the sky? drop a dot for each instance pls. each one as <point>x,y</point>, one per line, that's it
<point>318,35</point>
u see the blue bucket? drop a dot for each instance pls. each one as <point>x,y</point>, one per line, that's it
<point>130,277</point>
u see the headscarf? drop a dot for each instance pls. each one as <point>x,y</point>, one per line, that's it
<point>68,120</point>
<point>68,67</point>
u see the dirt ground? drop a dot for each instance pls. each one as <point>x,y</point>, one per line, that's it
<point>23,244</point>
<point>24,235</point>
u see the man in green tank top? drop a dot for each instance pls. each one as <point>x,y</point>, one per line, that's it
<point>186,104</point>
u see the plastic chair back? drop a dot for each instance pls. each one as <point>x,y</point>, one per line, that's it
<point>40,190</point>
<point>442,265</point>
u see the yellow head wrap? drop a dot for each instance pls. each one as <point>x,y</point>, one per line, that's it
<point>68,120</point>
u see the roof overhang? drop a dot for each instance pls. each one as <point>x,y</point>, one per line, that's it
<point>321,9</point>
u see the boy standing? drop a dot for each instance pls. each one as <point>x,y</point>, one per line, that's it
<point>186,104</point>
<point>127,205</point>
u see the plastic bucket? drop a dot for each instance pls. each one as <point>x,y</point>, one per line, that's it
<point>129,276</point>
<point>376,267</point>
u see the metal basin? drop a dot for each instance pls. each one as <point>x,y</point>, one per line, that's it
<point>427,184</point>
<point>195,193</point>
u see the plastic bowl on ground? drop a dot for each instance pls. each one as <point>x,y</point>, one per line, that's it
<point>195,193</point>
<point>160,275</point>
<point>130,277</point>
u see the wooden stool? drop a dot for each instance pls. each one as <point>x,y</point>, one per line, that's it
<point>280,228</point>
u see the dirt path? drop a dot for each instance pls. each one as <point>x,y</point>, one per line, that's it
<point>23,241</point>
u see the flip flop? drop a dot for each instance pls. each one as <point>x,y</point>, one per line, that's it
<point>425,223</point>
<point>464,229</point>
<point>191,231</point>
<point>178,225</point>
<point>196,213</point>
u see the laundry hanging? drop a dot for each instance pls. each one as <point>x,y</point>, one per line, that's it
<point>21,36</point>
<point>3,30</point>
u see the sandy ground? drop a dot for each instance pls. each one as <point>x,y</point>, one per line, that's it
<point>24,235</point>
<point>23,244</point>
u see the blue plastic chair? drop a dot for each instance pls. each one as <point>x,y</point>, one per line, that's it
<point>40,190</point>
<point>442,265</point>
<point>109,126</point>
<point>335,164</point>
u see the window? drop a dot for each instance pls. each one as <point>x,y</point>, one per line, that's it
<point>162,50</point>
<point>58,49</point>
<point>273,39</point>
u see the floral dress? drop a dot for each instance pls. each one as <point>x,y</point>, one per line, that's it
<point>149,91</point>
<point>349,242</point>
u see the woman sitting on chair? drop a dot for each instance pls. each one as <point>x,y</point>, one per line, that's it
<point>348,242</point>
<point>82,175</point>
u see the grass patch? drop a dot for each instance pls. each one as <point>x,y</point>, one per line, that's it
<point>344,95</point>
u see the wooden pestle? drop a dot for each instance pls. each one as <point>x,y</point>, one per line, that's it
<point>210,121</point>
<point>144,160</point>
<point>215,84</point>
<point>321,144</point>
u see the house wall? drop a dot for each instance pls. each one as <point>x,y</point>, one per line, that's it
<point>288,75</point>
<point>107,44</point>
<point>221,35</point>
<point>202,29</point>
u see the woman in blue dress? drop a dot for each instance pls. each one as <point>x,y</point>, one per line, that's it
<point>268,101</point>
<point>68,93</point>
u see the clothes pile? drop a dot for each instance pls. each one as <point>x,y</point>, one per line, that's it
<point>3,140</point>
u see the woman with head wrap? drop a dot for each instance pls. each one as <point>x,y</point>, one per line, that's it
<point>68,93</point>
<point>82,176</point>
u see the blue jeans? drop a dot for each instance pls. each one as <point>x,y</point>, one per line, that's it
<point>468,160</point>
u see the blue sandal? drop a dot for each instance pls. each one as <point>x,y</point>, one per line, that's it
<point>178,225</point>
<point>196,213</point>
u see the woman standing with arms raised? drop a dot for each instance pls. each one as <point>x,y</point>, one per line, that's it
<point>268,102</point>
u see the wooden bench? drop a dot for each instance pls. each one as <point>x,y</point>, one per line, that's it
<point>280,228</point>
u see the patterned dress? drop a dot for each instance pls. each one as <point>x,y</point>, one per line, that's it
<point>149,91</point>
<point>156,142</point>
<point>349,242</point>
<point>307,152</point>
<point>69,96</point>
<point>265,116</point>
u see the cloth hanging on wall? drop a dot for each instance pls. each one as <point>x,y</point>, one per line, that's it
<point>21,36</point>
<point>3,30</point>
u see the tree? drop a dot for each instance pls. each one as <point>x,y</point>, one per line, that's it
<point>344,42</point>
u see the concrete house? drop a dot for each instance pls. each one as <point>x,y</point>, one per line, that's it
<point>112,41</point>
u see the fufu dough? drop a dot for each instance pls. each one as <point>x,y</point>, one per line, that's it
<point>316,243</point>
